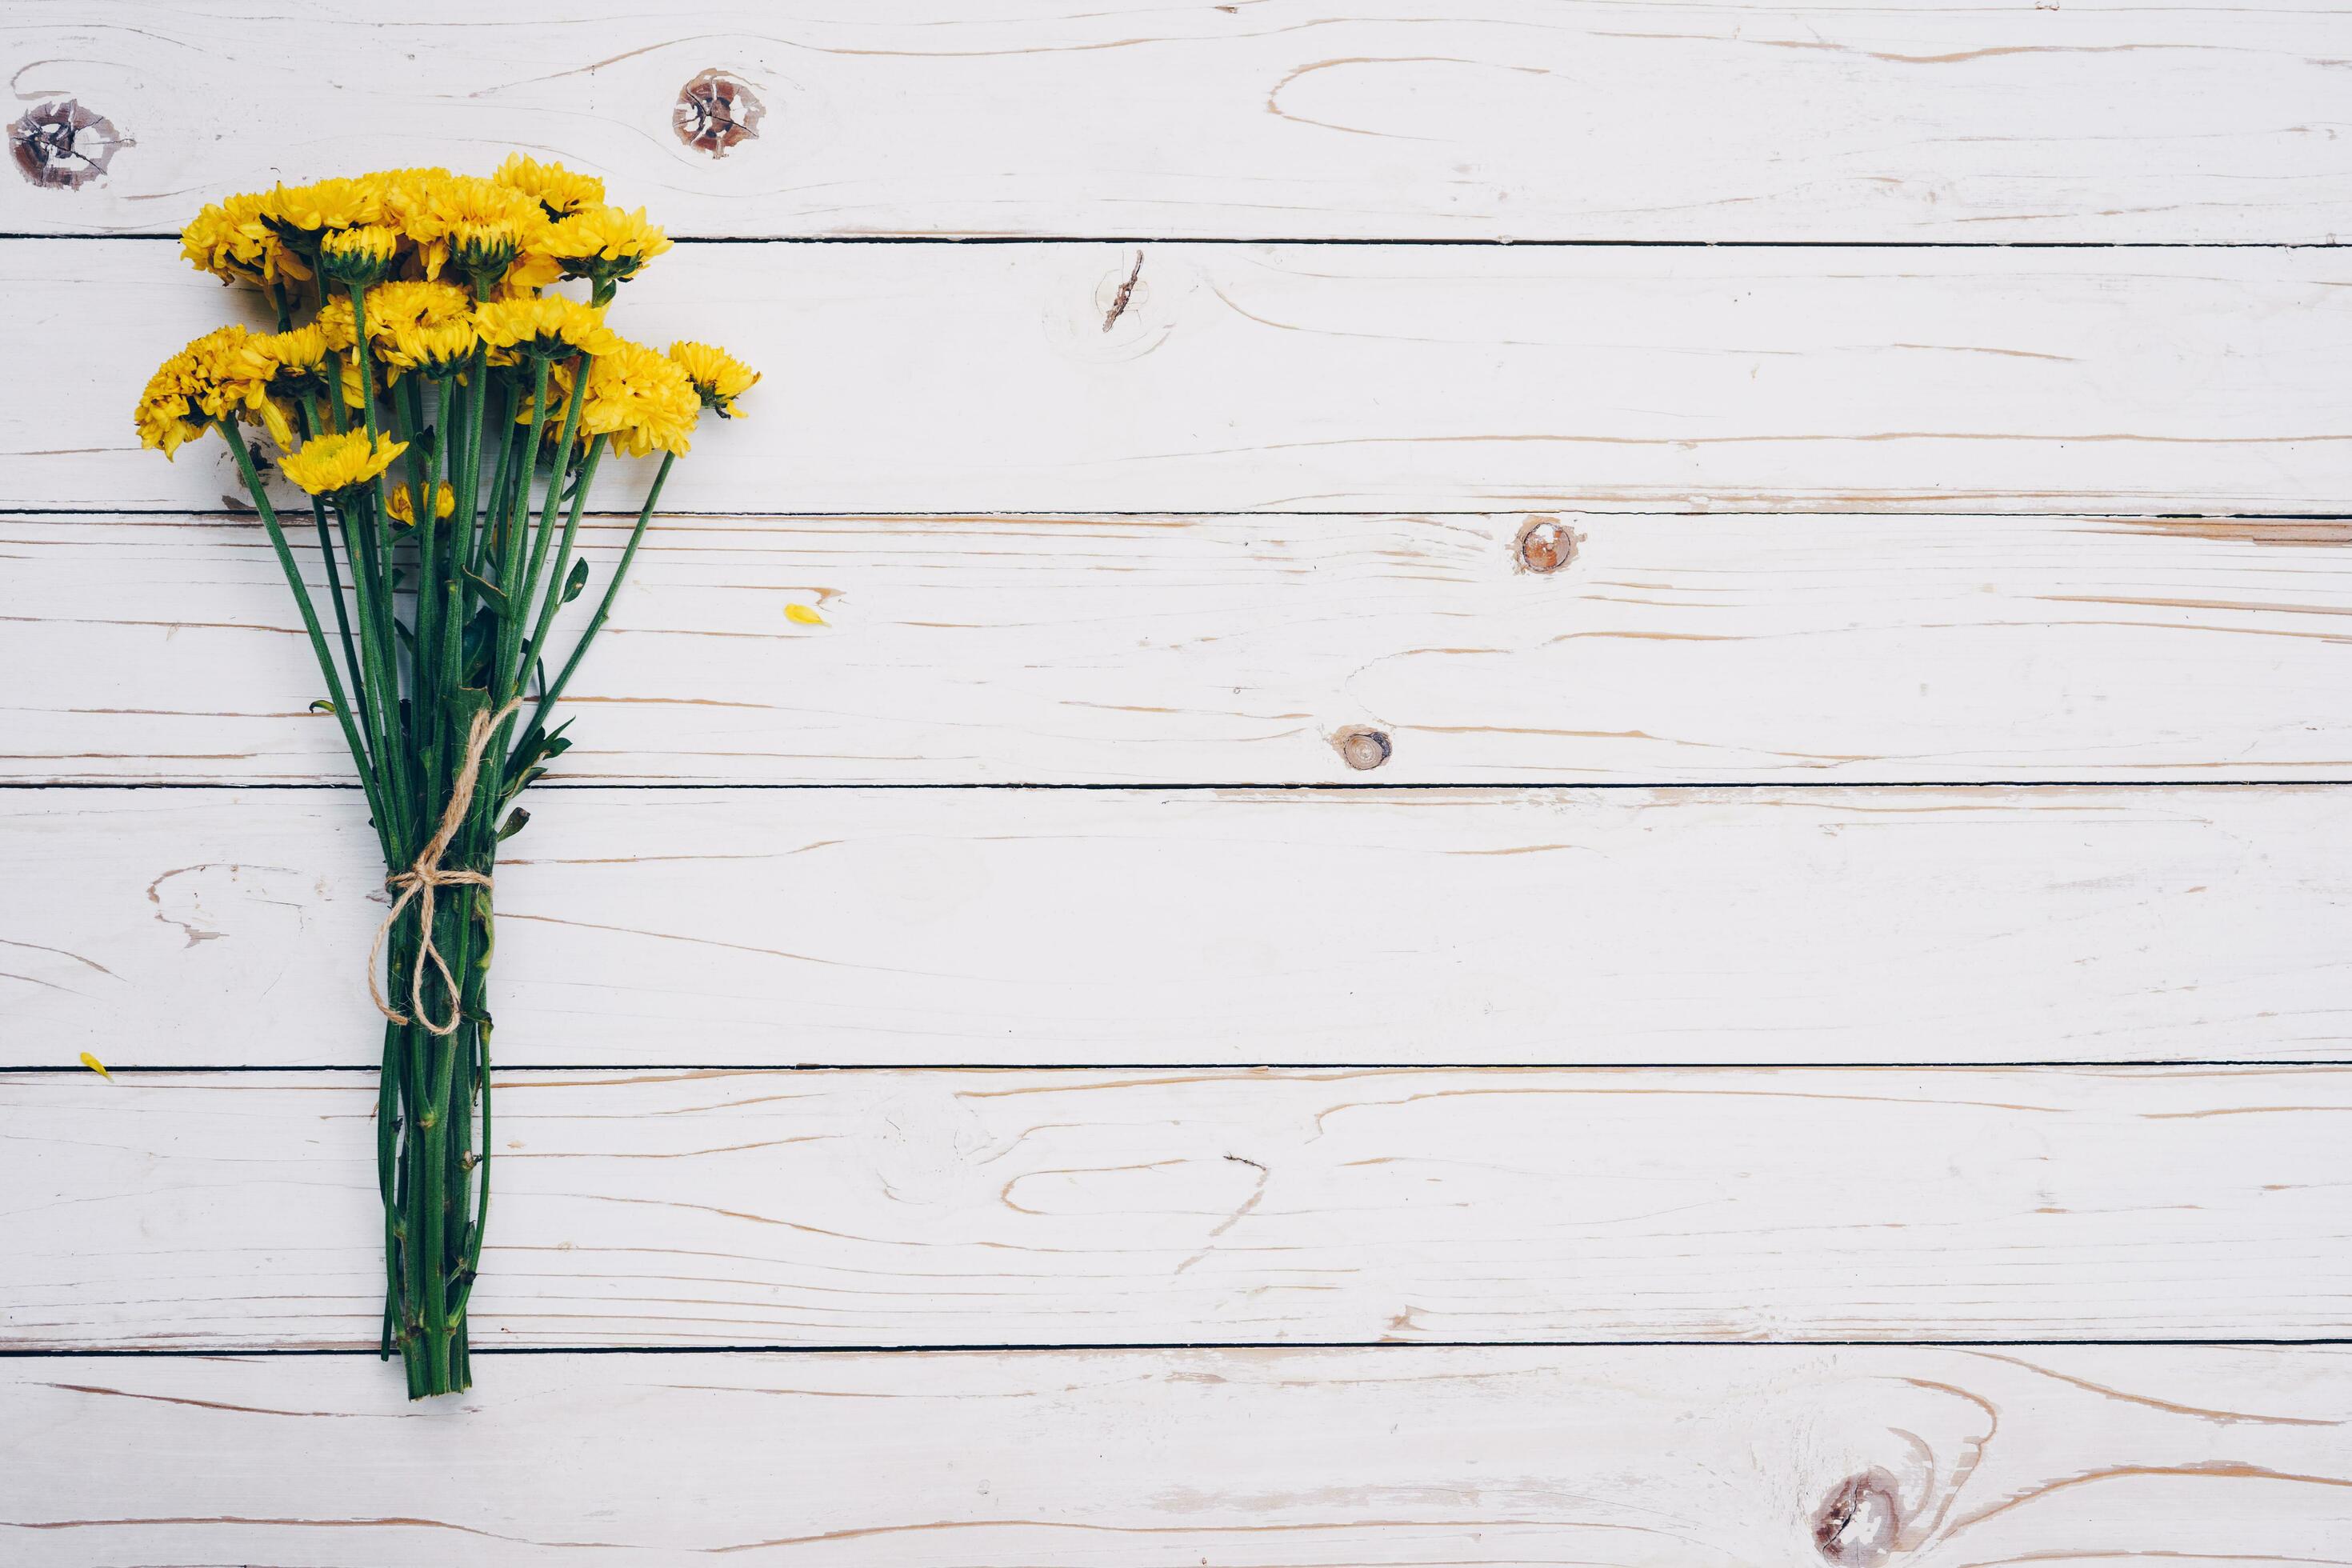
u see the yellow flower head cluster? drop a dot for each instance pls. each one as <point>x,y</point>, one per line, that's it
<point>190,391</point>
<point>453,277</point>
<point>495,234</point>
<point>719,377</point>
<point>326,465</point>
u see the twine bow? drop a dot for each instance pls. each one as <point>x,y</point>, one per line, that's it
<point>417,884</point>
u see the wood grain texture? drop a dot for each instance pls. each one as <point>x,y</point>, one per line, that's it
<point>172,928</point>
<point>932,1208</point>
<point>1379,118</point>
<point>1658,1457</point>
<point>1239,649</point>
<point>934,378</point>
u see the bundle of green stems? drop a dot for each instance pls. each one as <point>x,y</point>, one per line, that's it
<point>445,412</point>
<point>438,624</point>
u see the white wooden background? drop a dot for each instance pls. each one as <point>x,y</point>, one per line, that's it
<point>1676,892</point>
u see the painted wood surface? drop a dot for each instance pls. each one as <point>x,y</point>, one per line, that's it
<point>1381,119</point>
<point>1929,526</point>
<point>1657,1457</point>
<point>929,1208</point>
<point>935,378</point>
<point>1256,649</point>
<point>674,927</point>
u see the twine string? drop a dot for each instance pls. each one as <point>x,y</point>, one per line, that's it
<point>418,884</point>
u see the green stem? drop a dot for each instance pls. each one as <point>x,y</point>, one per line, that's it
<point>510,542</point>
<point>342,617</point>
<point>537,646</point>
<point>387,1153</point>
<point>470,1269</point>
<point>414,402</point>
<point>368,780</point>
<point>382,609</point>
<point>511,650</point>
<point>380,675</point>
<point>424,656</point>
<point>494,506</point>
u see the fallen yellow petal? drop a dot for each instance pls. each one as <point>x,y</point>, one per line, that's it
<point>94,1065</point>
<point>802,616</point>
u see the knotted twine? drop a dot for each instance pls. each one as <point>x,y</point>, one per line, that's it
<point>419,882</point>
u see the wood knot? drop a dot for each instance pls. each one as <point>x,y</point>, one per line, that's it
<point>1856,1525</point>
<point>1361,747</point>
<point>63,146</point>
<point>715,111</point>
<point>1545,544</point>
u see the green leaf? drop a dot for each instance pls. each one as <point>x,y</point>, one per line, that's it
<point>323,706</point>
<point>517,785</point>
<point>575,582</point>
<point>517,820</point>
<point>490,591</point>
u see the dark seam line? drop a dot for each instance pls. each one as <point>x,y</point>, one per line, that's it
<point>509,1073</point>
<point>1450,242</point>
<point>2233,1341</point>
<point>1252,514</point>
<point>591,787</point>
<point>1299,1069</point>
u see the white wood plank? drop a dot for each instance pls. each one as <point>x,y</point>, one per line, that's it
<point>926,378</point>
<point>1217,650</point>
<point>174,928</point>
<point>239,1211</point>
<point>1735,119</point>
<point>1659,1457</point>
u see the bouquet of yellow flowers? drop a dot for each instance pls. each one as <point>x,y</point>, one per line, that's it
<point>445,409</point>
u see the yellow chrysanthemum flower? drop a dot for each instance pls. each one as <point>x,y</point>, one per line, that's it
<point>403,509</point>
<point>190,390</point>
<point>469,198</point>
<point>408,197</point>
<point>605,245</point>
<point>393,307</point>
<point>415,304</point>
<point>288,363</point>
<point>719,377</point>
<point>327,465</point>
<point>302,214</point>
<point>641,399</point>
<point>359,257</point>
<point>438,350</point>
<point>555,187</point>
<point>548,325</point>
<point>482,228</point>
<point>233,243</point>
<point>276,368</point>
